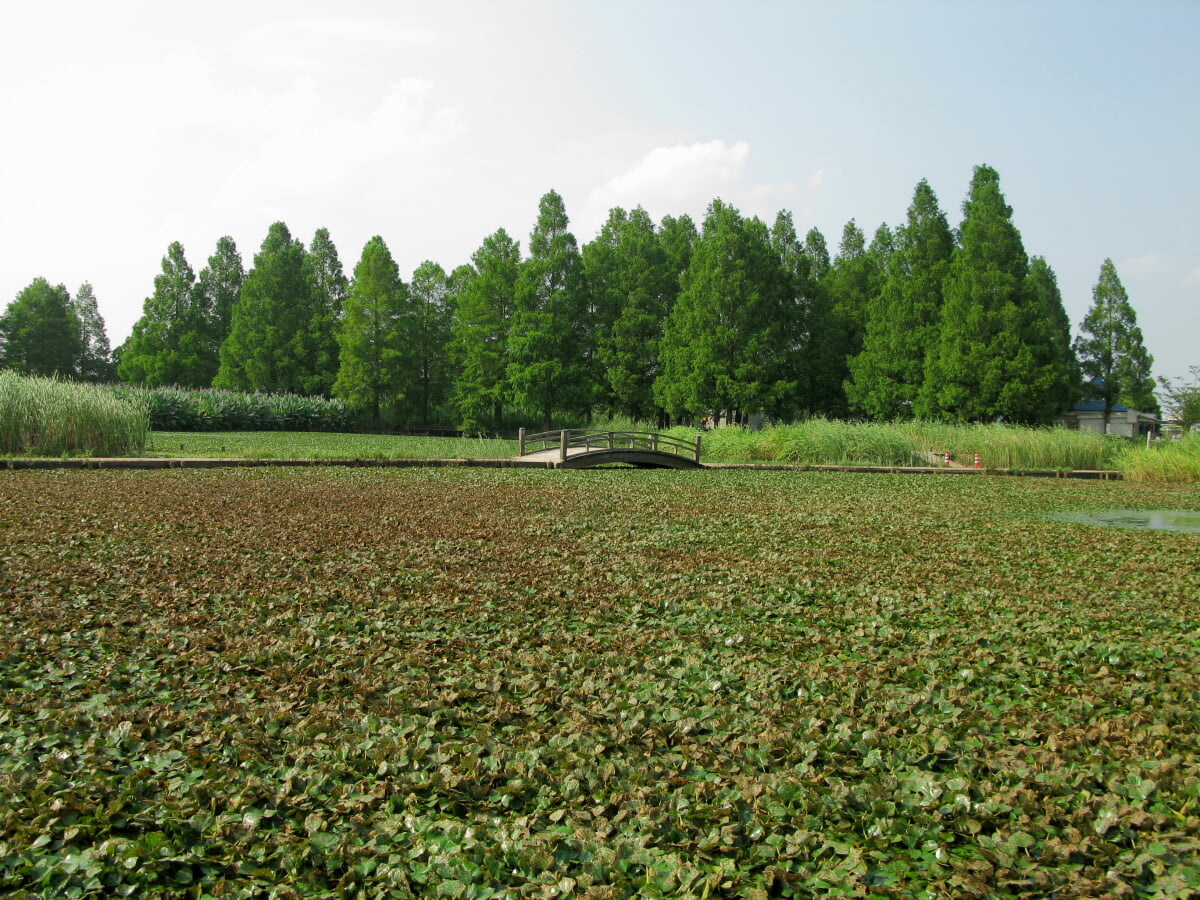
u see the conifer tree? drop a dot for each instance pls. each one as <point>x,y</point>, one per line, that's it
<point>375,350</point>
<point>1114,361</point>
<point>429,334</point>
<point>632,283</point>
<point>1057,355</point>
<point>171,343</point>
<point>317,344</point>
<point>268,329</point>
<point>902,318</point>
<point>606,296</point>
<point>992,359</point>
<point>817,251</point>
<point>809,346</point>
<point>721,348</point>
<point>547,341</point>
<point>852,282</point>
<point>484,299</point>
<point>95,360</point>
<point>677,235</point>
<point>219,284</point>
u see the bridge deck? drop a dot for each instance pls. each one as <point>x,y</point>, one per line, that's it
<point>581,449</point>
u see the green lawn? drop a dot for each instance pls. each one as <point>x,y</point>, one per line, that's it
<point>493,682</point>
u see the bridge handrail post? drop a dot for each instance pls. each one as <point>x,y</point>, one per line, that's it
<point>520,442</point>
<point>697,448</point>
<point>562,446</point>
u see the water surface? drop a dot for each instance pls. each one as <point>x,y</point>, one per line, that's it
<point>1143,519</point>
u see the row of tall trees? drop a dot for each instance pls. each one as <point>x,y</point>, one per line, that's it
<point>651,321</point>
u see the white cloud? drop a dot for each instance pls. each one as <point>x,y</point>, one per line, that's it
<point>684,178</point>
<point>1147,265</point>
<point>1192,278</point>
<point>316,148</point>
<point>312,33</point>
<point>817,179</point>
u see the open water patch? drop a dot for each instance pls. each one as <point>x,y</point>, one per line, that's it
<point>1140,519</point>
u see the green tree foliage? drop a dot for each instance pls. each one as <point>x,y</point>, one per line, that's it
<point>810,348</point>
<point>376,351</point>
<point>1182,398</point>
<point>269,348</point>
<point>633,284</point>
<point>40,333</point>
<point>1056,354</point>
<point>484,301</point>
<point>549,335</point>
<point>677,235</point>
<point>992,358</point>
<point>901,323</point>
<point>219,284</point>
<point>318,342</point>
<point>95,359</point>
<point>817,251</point>
<point>1114,361</point>
<point>721,349</point>
<point>606,297</point>
<point>172,341</point>
<point>429,336</point>
<point>852,282</point>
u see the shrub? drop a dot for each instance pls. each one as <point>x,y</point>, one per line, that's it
<point>208,409</point>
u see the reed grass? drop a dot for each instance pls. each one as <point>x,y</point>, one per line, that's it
<point>51,417</point>
<point>833,442</point>
<point>1163,462</point>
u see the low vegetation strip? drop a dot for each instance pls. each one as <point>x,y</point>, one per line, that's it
<point>474,683</point>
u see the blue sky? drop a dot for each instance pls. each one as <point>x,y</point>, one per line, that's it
<point>129,125</point>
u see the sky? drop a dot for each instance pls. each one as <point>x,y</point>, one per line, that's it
<point>131,125</point>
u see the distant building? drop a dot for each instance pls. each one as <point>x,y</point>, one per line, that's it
<point>1088,415</point>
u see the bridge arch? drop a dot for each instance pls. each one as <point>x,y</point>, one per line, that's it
<point>579,448</point>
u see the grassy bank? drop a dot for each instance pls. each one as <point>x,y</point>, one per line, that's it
<point>51,417</point>
<point>494,683</point>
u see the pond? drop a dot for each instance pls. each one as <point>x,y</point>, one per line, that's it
<point>1144,519</point>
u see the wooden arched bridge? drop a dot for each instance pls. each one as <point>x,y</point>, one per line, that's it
<point>579,448</point>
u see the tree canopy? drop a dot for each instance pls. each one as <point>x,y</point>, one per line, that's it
<point>375,352</point>
<point>728,345</point>
<point>994,357</point>
<point>1115,364</point>
<point>270,346</point>
<point>40,333</point>
<point>171,343</point>
<point>550,334</point>
<point>903,317</point>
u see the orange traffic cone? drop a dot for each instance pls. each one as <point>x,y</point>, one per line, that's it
<point>977,459</point>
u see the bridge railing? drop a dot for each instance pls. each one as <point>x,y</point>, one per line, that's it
<point>569,439</point>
